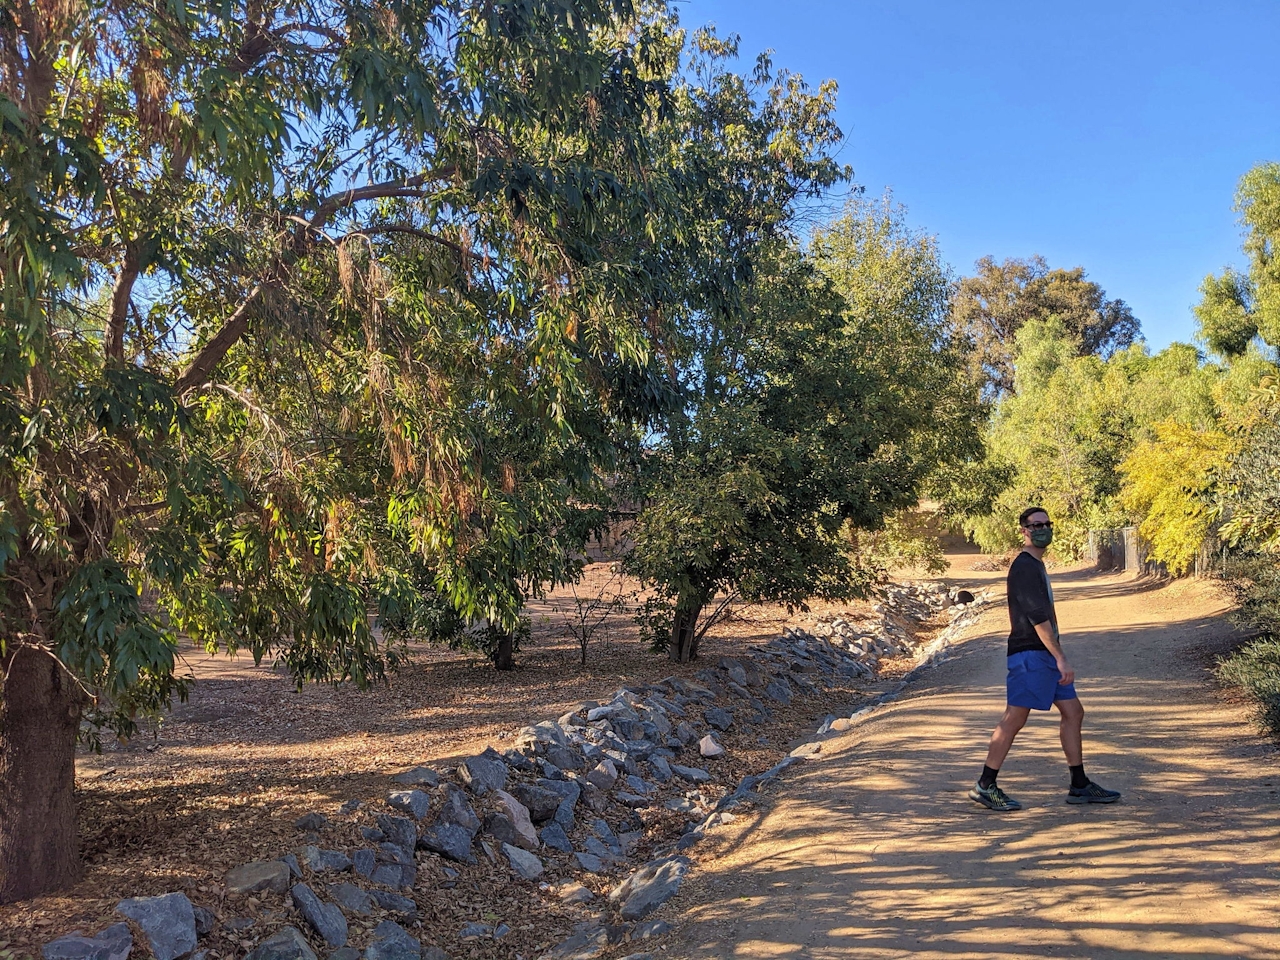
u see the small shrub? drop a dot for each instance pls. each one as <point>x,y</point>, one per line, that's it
<point>1255,668</point>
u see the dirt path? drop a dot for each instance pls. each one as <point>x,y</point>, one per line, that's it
<point>876,853</point>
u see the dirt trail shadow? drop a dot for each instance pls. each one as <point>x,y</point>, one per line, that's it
<point>875,852</point>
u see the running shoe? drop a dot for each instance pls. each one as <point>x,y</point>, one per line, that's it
<point>995,798</point>
<point>1092,794</point>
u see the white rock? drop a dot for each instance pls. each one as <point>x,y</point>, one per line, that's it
<point>708,747</point>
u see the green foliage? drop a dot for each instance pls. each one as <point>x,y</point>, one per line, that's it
<point>909,540</point>
<point>1064,432</point>
<point>827,409</point>
<point>1248,490</point>
<point>315,317</point>
<point>1236,307</point>
<point>1255,668</point>
<point>1245,499</point>
<point>1134,439</point>
<point>991,307</point>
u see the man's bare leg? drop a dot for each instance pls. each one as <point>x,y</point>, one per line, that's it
<point>1072,714</point>
<point>1014,719</point>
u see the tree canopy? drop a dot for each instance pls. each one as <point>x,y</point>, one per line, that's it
<point>317,310</point>
<point>991,306</point>
<point>1236,307</point>
<point>824,412</point>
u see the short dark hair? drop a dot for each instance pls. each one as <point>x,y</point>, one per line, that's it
<point>1025,515</point>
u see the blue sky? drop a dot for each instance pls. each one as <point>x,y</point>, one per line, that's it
<point>1105,135</point>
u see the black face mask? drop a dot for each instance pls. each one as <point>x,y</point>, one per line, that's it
<point>1042,538</point>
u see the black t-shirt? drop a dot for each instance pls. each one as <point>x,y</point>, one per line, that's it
<point>1030,602</point>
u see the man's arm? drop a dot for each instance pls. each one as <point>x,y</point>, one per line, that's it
<point>1045,632</point>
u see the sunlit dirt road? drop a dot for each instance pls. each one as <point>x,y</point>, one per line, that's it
<point>875,852</point>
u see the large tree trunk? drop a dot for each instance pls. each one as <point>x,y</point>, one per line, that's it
<point>504,655</point>
<point>684,643</point>
<point>39,719</point>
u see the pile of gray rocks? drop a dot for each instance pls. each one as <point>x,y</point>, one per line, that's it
<point>563,804</point>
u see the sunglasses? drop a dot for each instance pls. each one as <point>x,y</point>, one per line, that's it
<point>1047,525</point>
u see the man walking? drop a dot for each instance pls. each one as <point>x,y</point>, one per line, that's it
<point>1039,675</point>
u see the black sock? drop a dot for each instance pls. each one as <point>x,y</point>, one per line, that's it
<point>988,776</point>
<point>1078,780</point>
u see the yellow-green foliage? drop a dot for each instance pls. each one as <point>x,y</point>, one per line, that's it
<point>1162,479</point>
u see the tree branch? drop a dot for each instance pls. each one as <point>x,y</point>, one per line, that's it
<point>411,231</point>
<point>409,187</point>
<point>113,336</point>
<point>201,368</point>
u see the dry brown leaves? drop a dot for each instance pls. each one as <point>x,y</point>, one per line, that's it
<point>221,782</point>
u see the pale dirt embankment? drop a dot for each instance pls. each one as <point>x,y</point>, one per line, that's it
<point>876,853</point>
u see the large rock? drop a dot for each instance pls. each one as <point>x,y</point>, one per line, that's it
<point>599,849</point>
<point>563,757</point>
<point>398,830</point>
<point>589,862</point>
<point>779,691</point>
<point>605,774</point>
<point>523,862</point>
<point>457,810</point>
<point>691,774</point>
<point>270,875</point>
<point>708,747</point>
<point>352,899</point>
<point>113,943</point>
<point>413,802</point>
<point>587,944</point>
<point>364,862</point>
<point>323,861</point>
<point>395,866</point>
<point>569,792</point>
<point>518,814</point>
<point>325,918</point>
<point>483,773</point>
<point>719,718</point>
<point>313,822</point>
<point>287,943</point>
<point>574,892</point>
<point>168,921</point>
<point>553,836</point>
<point>541,802</point>
<point>500,827</point>
<point>418,777</point>
<point>650,887</point>
<point>395,903</point>
<point>449,840</point>
<point>392,942</point>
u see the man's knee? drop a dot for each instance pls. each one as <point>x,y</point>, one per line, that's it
<point>1015,718</point>
<point>1072,711</point>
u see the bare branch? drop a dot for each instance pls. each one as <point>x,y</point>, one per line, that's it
<point>718,614</point>
<point>409,187</point>
<point>411,231</point>
<point>113,337</point>
<point>201,368</point>
<point>317,28</point>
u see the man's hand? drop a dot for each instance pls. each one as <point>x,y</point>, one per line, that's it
<point>1068,673</point>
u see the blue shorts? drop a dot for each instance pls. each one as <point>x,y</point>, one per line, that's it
<point>1033,681</point>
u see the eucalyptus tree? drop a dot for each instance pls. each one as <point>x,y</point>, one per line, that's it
<point>311,309</point>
